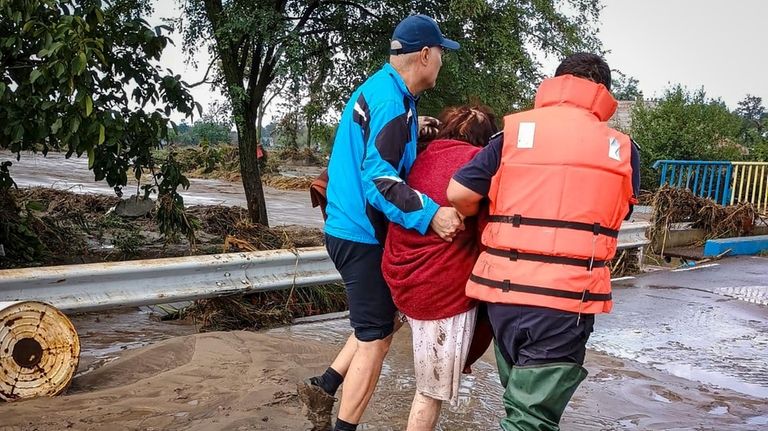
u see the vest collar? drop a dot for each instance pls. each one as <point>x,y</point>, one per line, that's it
<point>579,92</point>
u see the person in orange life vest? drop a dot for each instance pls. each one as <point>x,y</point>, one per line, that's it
<point>559,182</point>
<point>427,275</point>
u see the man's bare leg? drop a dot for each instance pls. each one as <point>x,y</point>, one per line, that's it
<point>362,377</point>
<point>425,412</point>
<point>344,358</point>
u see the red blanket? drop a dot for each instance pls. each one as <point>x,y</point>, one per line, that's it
<point>427,275</point>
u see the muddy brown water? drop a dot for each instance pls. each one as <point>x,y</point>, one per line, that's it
<point>283,206</point>
<point>620,394</point>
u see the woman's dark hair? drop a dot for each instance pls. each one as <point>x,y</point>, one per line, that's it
<point>474,124</point>
<point>587,66</point>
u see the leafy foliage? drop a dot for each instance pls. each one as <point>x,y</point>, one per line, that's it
<point>685,126</point>
<point>625,87</point>
<point>754,128</point>
<point>205,130</point>
<point>330,46</point>
<point>81,77</point>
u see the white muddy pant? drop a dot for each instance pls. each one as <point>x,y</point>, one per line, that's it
<point>440,349</point>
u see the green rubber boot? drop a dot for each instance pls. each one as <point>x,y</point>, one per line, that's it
<point>536,395</point>
<point>502,365</point>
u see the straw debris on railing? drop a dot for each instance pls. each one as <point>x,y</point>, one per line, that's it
<point>626,262</point>
<point>674,205</point>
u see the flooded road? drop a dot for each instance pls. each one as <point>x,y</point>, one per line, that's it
<point>283,206</point>
<point>681,350</point>
<point>707,323</point>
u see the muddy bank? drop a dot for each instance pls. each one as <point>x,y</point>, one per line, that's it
<point>86,228</point>
<point>56,171</point>
<point>246,381</point>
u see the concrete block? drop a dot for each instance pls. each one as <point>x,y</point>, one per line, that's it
<point>739,246</point>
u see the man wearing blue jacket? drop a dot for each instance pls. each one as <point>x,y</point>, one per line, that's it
<point>372,155</point>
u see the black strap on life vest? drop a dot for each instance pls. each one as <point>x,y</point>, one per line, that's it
<point>506,286</point>
<point>514,255</point>
<point>517,220</point>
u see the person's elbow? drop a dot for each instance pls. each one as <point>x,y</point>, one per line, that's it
<point>465,200</point>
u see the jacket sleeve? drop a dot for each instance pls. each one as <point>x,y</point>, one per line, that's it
<point>635,161</point>
<point>389,133</point>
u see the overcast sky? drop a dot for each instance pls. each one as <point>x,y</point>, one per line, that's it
<point>720,45</point>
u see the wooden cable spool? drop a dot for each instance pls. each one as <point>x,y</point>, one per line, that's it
<point>39,350</point>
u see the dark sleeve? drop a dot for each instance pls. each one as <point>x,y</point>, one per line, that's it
<point>477,173</point>
<point>635,162</point>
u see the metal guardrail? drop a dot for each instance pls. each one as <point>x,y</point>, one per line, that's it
<point>108,285</point>
<point>101,286</point>
<point>724,182</point>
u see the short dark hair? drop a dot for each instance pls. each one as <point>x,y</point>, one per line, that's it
<point>474,124</point>
<point>587,66</point>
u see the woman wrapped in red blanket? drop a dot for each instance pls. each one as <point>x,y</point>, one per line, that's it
<point>427,275</point>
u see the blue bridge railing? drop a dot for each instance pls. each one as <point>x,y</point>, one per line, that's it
<point>705,179</point>
<point>725,182</point>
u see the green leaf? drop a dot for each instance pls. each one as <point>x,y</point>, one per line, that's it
<point>34,75</point>
<point>88,105</point>
<point>91,157</point>
<point>101,134</point>
<point>35,206</point>
<point>56,126</point>
<point>79,63</point>
<point>74,124</point>
<point>2,89</point>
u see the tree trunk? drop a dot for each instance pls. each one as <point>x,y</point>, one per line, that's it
<point>259,122</point>
<point>309,135</point>
<point>249,167</point>
<point>244,107</point>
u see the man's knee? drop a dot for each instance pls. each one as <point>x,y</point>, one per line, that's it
<point>370,333</point>
<point>378,347</point>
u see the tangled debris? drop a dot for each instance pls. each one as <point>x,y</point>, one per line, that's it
<point>626,262</point>
<point>61,227</point>
<point>287,183</point>
<point>673,205</point>
<point>43,226</point>
<point>266,309</point>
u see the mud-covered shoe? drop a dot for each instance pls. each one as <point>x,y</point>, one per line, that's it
<point>316,405</point>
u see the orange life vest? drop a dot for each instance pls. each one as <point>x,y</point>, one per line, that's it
<point>563,187</point>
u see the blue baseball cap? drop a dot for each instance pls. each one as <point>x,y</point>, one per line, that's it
<point>416,32</point>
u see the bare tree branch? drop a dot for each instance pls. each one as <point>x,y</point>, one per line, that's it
<point>205,77</point>
<point>353,4</point>
<point>305,16</point>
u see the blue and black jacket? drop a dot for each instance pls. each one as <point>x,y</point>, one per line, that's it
<point>373,152</point>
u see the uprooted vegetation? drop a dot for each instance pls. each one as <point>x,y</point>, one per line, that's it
<point>43,226</point>
<point>673,205</point>
<point>265,309</point>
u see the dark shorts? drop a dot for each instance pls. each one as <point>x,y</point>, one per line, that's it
<point>536,335</point>
<point>371,310</point>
